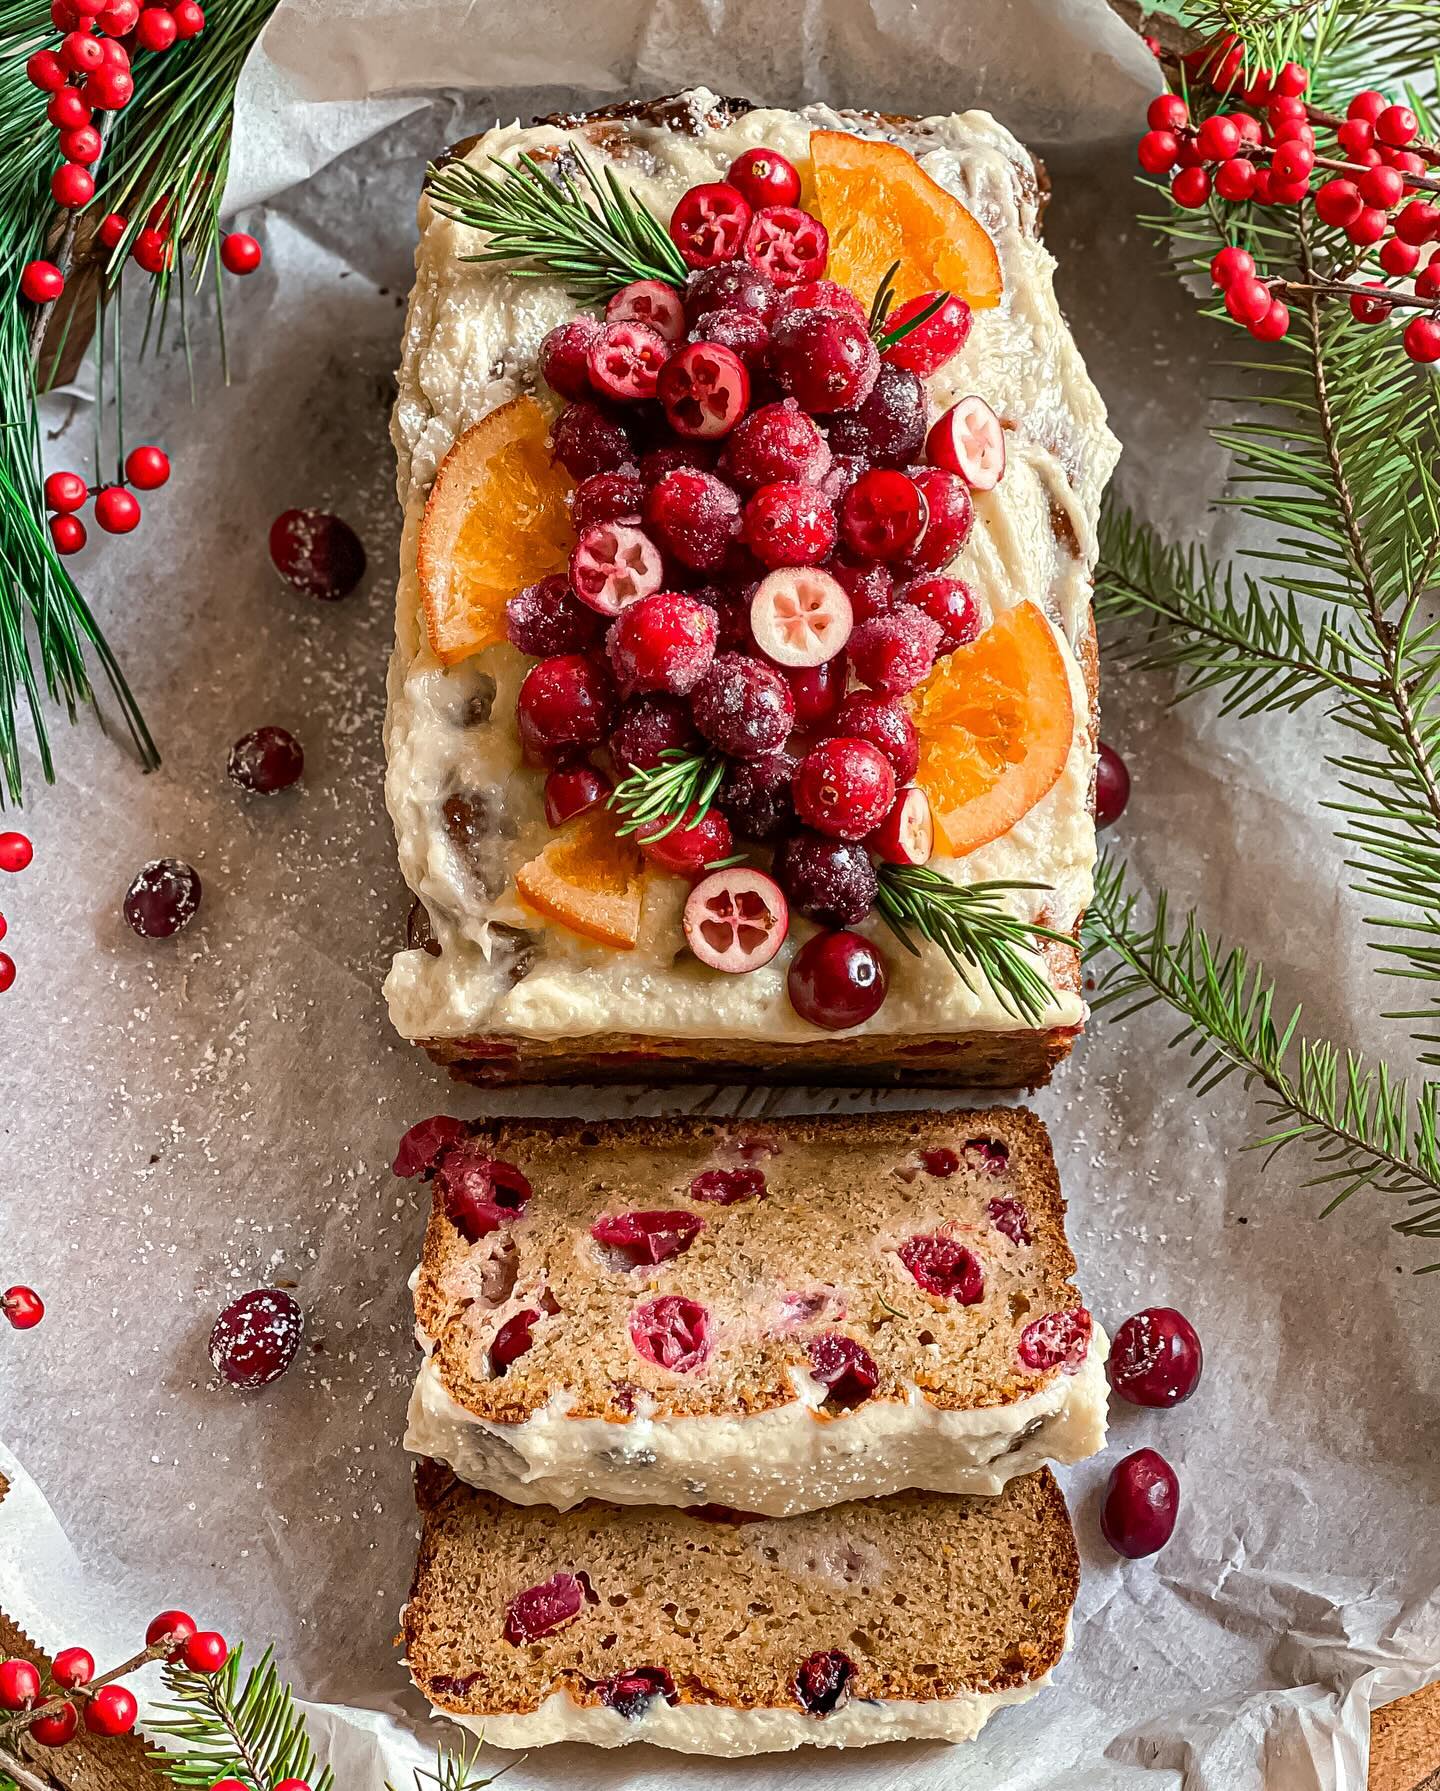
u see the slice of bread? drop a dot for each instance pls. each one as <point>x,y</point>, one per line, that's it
<point>891,1619</point>
<point>774,1317</point>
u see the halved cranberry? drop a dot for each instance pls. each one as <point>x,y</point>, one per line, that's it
<point>728,1187</point>
<point>829,880</point>
<point>944,1267</point>
<point>844,788</point>
<point>255,1338</point>
<point>564,357</point>
<point>790,524</point>
<point>1112,786</point>
<point>869,585</point>
<point>892,654</point>
<point>822,295</point>
<point>1058,1340</point>
<point>672,1332</point>
<point>929,345</point>
<point>648,1237</point>
<point>883,515</point>
<point>708,224</point>
<point>664,642</point>
<point>733,286</point>
<point>822,1681</point>
<point>1155,1359</point>
<point>688,848</point>
<point>614,564</point>
<point>545,619</point>
<point>951,603</point>
<point>648,728</point>
<point>824,358</point>
<point>565,705</point>
<point>479,1193</point>
<point>818,691</point>
<point>650,302</point>
<point>800,616</point>
<point>907,834</point>
<point>987,1156</point>
<point>744,335</point>
<point>625,360</point>
<point>778,441</point>
<point>1141,1504</point>
<point>952,516</point>
<point>969,440</point>
<point>837,980</point>
<point>422,1145</point>
<point>540,1610</point>
<point>940,1161</point>
<point>586,440</point>
<point>705,390</point>
<point>736,919</point>
<point>694,516</point>
<point>573,790</point>
<point>765,177</point>
<point>607,497</point>
<point>512,1340</point>
<point>743,707</point>
<point>888,429</point>
<point>756,793</point>
<point>787,245</point>
<point>843,1366</point>
<point>631,1694</point>
<point>884,724</point>
<point>1012,1217</point>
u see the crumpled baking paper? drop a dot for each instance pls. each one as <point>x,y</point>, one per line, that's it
<point>188,1119</point>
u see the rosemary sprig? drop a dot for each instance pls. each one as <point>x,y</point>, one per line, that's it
<point>583,229</point>
<point>973,929</point>
<point>884,298</point>
<point>682,781</point>
<point>888,338</point>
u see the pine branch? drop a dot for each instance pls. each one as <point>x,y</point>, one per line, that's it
<point>974,929</point>
<point>456,1772</point>
<point>680,783</point>
<point>229,1727</point>
<point>582,227</point>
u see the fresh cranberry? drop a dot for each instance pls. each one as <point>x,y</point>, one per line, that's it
<point>944,1267</point>
<point>844,788</point>
<point>1112,786</point>
<point>789,524</point>
<point>952,516</point>
<point>694,456</point>
<point>705,389</point>
<point>837,980</point>
<point>756,794</point>
<point>564,357</point>
<point>869,585</point>
<point>776,443</point>
<point>832,881</point>
<point>664,642</point>
<point>540,1610</point>
<point>255,1338</point>
<point>694,516</point>
<point>764,177</point>
<point>743,707</point>
<point>613,564</point>
<point>607,497</point>
<point>648,728</point>
<point>843,1366</point>
<point>728,1187</point>
<point>1058,1340</point>
<point>892,654</point>
<point>884,724</point>
<point>421,1147</point>
<point>822,1681</point>
<point>573,790</point>
<point>907,834</point>
<point>787,245</point>
<point>824,359</point>
<point>888,429</point>
<point>163,898</point>
<point>1142,1502</point>
<point>479,1193</point>
<point>318,553</point>
<point>546,619</point>
<point>647,1237</point>
<point>821,295</point>
<point>818,691</point>
<point>1155,1358</point>
<point>686,849</point>
<point>929,345</point>
<point>709,223</point>
<point>736,919</point>
<point>743,335</point>
<point>512,1340</point>
<point>586,440</point>
<point>1010,1217</point>
<point>672,1332</point>
<point>949,602</point>
<point>883,515</point>
<point>631,1694</point>
<point>565,705</point>
<point>941,1161</point>
<point>734,286</point>
<point>650,302</point>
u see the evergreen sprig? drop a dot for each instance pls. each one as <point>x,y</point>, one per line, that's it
<point>974,929</point>
<point>682,781</point>
<point>573,223</point>
<point>455,1772</point>
<point>235,1724</point>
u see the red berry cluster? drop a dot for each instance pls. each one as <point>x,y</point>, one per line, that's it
<point>1155,1361</point>
<point>1376,193</point>
<point>764,513</point>
<point>15,855</point>
<point>117,509</point>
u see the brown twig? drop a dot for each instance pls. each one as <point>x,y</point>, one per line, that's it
<point>14,1767</point>
<point>22,1721</point>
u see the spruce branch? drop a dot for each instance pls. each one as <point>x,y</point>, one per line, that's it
<point>683,781</point>
<point>456,1772</point>
<point>237,1725</point>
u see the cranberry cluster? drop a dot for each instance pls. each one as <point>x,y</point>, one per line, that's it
<point>764,512</point>
<point>1376,193</point>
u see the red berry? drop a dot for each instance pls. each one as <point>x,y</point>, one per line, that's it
<point>1337,203</point>
<point>1157,151</point>
<point>869,585</point>
<point>65,492</point>
<point>756,794</point>
<point>116,510</point>
<point>252,1343</point>
<point>648,728</point>
<point>643,1239</point>
<point>1291,80</point>
<point>72,186</point>
<point>565,705</point>
<point>907,834</point>
<point>1142,1501</point>
<point>109,88</point>
<point>57,1728</point>
<point>1396,125</point>
<point>16,852</point>
<point>1367,105</point>
<point>888,428</point>
<point>112,227</point>
<point>789,524</point>
<point>150,251</point>
<point>892,654</point>
<point>546,619</point>
<point>733,286</point>
<point>1382,187</point>
<point>1112,786</point>
<point>844,788</point>
<point>67,110</point>
<point>266,761</point>
<point>1058,1340</point>
<point>970,441</point>
<point>821,295</point>
<point>1236,180</point>
<point>631,1694</point>
<point>694,516</point>
<point>883,515</point>
<point>19,1685</point>
<point>1292,161</point>
<point>564,357</point>
<point>1427,281</point>
<point>189,18</point>
<point>624,360</point>
<point>1371,310</point>
<point>119,18</point>
<point>1155,1358</point>
<point>162,899</point>
<point>147,468</point>
<point>116,57</point>
<point>744,336</point>
<point>585,440</point>
<point>776,442</point>
<point>728,1187</point>
<point>884,724</point>
<point>825,359</point>
<point>1398,258</point>
<point>479,1194</point>
<point>318,553</point>
<point>1418,222</point>
<point>674,455</point>
<point>800,617</point>
<point>952,516</point>
<point>511,1341</point>
<point>1422,339</point>
<point>112,1711</point>
<point>572,790</point>
<point>157,30</point>
<point>650,302</point>
<point>1167,112</point>
<point>1355,136</point>
<point>72,1668</point>
<point>708,224</point>
<point>46,71</point>
<point>952,604</point>
<point>613,564</point>
<point>705,390</point>
<point>700,840</point>
<point>239,253</point>
<point>607,497</point>
<point>929,345</point>
<point>207,1650</point>
<point>836,981</point>
<point>787,245</point>
<point>845,1368</point>
<point>944,1267</point>
<point>665,641</point>
<point>81,52</point>
<point>1190,188</point>
<point>736,919</point>
<point>1219,138</point>
<point>83,144</point>
<point>7,972</point>
<point>672,1332</point>
<point>829,880</point>
<point>1247,299</point>
<point>539,1610</point>
<point>1273,325</point>
<point>822,1680</point>
<point>764,177</point>
<point>176,1626</point>
<point>742,707</point>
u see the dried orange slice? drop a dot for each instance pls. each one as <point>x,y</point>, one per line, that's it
<point>590,880</point>
<point>880,207</point>
<point>496,520</point>
<point>996,722</point>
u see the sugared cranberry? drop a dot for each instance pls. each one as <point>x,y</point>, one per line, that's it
<point>648,728</point>
<point>255,1338</point>
<point>650,302</point>
<point>869,585</point>
<point>694,456</point>
<point>318,553</point>
<point>586,440</point>
<point>927,347</point>
<point>734,286</point>
<point>651,1237</point>
<point>843,1366</point>
<point>952,516</point>
<point>829,880</point>
<point>479,1193</point>
<point>564,357</point>
<point>776,442</point>
<point>844,788</point>
<point>665,642</point>
<point>631,1694</point>
<point>565,705</point>
<point>951,603</point>
<point>824,359</point>
<point>888,429</point>
<point>420,1149</point>
<point>818,691</point>
<point>546,619</point>
<point>736,919</point>
<point>1112,786</point>
<point>728,1187</point>
<point>884,724</point>
<point>573,790</point>
<point>162,899</point>
<point>893,653</point>
<point>743,335</point>
<point>672,1332</point>
<point>512,1340</point>
<point>756,794</point>
<point>845,469</point>
<point>789,524</point>
<point>883,515</point>
<point>1058,1340</point>
<point>764,177</point>
<point>694,516</point>
<point>1010,1217</point>
<point>732,605</point>
<point>705,389</point>
<point>907,834</point>
<point>1155,1358</point>
<point>607,497</point>
<point>837,980</point>
<point>699,840</point>
<point>613,564</point>
<point>266,760</point>
<point>541,1610</point>
<point>944,1267</point>
<point>822,1681</point>
<point>787,245</point>
<point>708,224</point>
<point>742,707</point>
<point>1142,1502</point>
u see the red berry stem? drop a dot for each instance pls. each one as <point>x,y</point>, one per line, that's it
<point>12,1725</point>
<point>1344,289</point>
<point>63,254</point>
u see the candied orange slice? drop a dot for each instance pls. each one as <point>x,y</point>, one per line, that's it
<point>590,880</point>
<point>496,520</point>
<point>996,722</point>
<point>880,207</point>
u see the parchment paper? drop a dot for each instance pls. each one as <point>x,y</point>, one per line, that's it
<point>185,1120</point>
